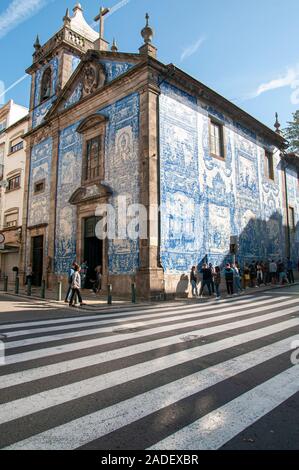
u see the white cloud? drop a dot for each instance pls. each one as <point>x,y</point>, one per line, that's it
<point>17,12</point>
<point>289,79</point>
<point>192,49</point>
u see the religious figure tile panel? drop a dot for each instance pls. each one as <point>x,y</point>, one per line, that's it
<point>69,179</point>
<point>121,175</point>
<point>40,170</point>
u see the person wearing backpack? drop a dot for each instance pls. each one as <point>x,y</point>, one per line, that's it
<point>76,286</point>
<point>70,277</point>
<point>229,277</point>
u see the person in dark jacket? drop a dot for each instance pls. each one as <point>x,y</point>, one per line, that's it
<point>290,271</point>
<point>207,279</point>
<point>253,274</point>
<point>229,278</point>
<point>193,280</point>
<point>217,281</point>
<point>70,278</point>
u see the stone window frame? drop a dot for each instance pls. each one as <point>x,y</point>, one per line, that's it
<point>92,127</point>
<point>217,122</point>
<point>10,212</point>
<point>37,183</point>
<point>269,165</point>
<point>13,176</point>
<point>12,148</point>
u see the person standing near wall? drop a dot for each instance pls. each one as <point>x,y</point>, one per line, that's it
<point>273,271</point>
<point>193,280</point>
<point>237,279</point>
<point>246,277</point>
<point>217,282</point>
<point>252,269</point>
<point>290,271</point>
<point>29,274</point>
<point>212,282</point>
<point>207,279</point>
<point>229,278</point>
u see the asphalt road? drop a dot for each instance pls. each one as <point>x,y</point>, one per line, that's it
<point>175,376</point>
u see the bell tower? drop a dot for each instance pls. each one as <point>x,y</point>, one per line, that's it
<point>56,60</point>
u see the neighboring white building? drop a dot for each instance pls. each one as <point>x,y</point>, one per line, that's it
<point>13,125</point>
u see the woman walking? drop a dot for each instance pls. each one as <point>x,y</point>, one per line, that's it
<point>76,286</point>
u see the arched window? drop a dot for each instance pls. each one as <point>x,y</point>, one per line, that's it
<point>46,85</point>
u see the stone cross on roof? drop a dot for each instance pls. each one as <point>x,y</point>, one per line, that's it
<point>100,17</point>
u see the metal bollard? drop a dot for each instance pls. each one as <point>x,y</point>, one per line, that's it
<point>5,283</point>
<point>133,293</point>
<point>59,291</point>
<point>109,294</point>
<point>17,285</point>
<point>29,288</point>
<point>43,289</point>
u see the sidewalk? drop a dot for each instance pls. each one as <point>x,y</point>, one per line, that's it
<point>248,291</point>
<point>100,301</point>
<point>89,298</point>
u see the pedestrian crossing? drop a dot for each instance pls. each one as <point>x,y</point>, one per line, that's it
<point>179,376</point>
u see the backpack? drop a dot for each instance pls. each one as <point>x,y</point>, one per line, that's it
<point>70,276</point>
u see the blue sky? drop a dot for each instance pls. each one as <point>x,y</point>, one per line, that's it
<point>245,50</point>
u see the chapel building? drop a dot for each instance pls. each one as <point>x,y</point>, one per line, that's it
<point>124,129</point>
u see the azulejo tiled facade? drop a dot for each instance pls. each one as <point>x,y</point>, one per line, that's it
<point>156,151</point>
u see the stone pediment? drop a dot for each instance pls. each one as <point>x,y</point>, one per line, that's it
<point>90,193</point>
<point>96,70</point>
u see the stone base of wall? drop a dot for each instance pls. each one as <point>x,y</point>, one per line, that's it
<point>177,285</point>
<point>150,283</point>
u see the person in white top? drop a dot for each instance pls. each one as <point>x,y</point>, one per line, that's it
<point>76,286</point>
<point>273,271</point>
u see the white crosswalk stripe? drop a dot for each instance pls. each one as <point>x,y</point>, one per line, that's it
<point>199,346</point>
<point>47,339</point>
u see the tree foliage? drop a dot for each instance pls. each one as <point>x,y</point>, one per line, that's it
<point>291,133</point>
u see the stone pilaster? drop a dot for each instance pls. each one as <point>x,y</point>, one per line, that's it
<point>150,276</point>
<point>23,250</point>
<point>49,261</point>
